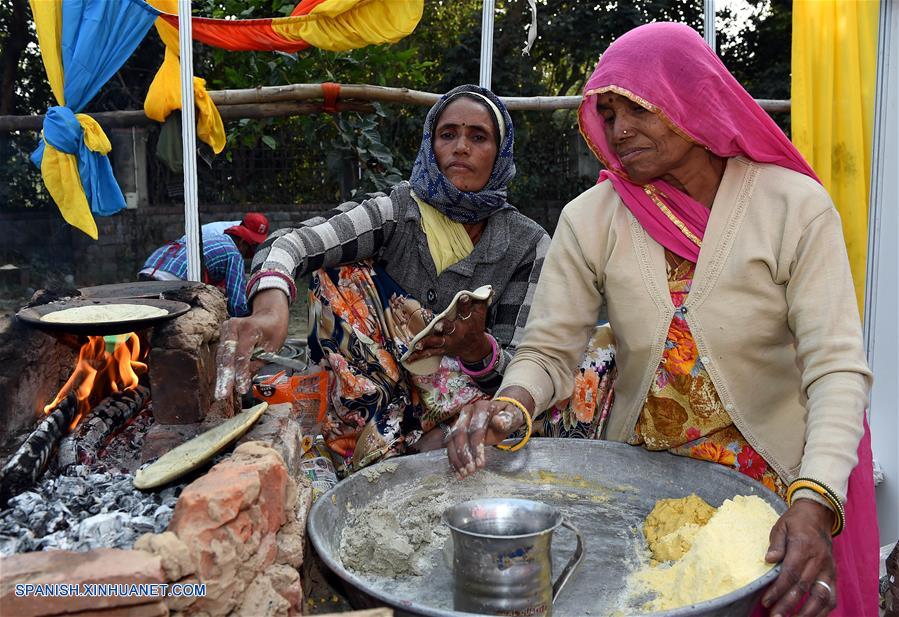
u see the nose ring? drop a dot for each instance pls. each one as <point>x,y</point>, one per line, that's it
<point>624,132</point>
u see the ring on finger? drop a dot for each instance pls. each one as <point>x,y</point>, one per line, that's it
<point>826,586</point>
<point>448,432</point>
<point>442,341</point>
<point>451,331</point>
<point>466,317</point>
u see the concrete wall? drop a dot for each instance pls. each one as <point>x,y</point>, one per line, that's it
<point>42,241</point>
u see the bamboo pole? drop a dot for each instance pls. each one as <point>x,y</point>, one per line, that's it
<point>382,94</point>
<point>303,92</point>
<point>120,119</point>
<point>291,100</point>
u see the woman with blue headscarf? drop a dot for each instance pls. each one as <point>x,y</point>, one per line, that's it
<point>383,268</point>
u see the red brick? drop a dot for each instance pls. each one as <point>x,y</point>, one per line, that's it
<point>65,567</point>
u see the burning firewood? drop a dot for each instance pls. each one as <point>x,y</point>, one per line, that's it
<point>83,444</point>
<point>30,460</point>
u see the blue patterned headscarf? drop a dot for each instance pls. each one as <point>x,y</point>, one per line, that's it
<point>432,186</point>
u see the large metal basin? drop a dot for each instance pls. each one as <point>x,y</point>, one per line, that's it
<point>605,489</point>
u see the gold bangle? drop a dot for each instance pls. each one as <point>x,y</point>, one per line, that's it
<point>827,493</point>
<point>527,418</point>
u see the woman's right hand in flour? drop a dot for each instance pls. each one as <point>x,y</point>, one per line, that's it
<point>483,423</point>
<point>801,541</point>
<point>265,328</point>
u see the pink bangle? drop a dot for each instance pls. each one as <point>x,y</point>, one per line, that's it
<point>291,286</point>
<point>490,365</point>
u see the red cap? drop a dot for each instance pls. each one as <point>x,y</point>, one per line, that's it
<point>253,228</point>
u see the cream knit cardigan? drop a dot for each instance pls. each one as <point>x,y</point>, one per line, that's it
<point>772,310</point>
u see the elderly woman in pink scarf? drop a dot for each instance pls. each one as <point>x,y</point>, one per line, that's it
<point>721,261</point>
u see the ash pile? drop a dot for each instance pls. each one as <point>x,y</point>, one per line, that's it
<point>74,490</point>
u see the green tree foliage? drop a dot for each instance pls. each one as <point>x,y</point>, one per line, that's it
<point>758,53</point>
<point>322,158</point>
<point>22,83</point>
<point>334,156</point>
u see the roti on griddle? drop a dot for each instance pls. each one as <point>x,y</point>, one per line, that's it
<point>104,313</point>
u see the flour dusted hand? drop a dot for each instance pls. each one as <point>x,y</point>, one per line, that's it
<point>801,538</point>
<point>265,328</point>
<point>464,336</point>
<point>484,423</point>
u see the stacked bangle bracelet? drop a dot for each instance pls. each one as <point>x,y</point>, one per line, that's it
<point>291,286</point>
<point>488,367</point>
<point>827,493</point>
<point>528,422</point>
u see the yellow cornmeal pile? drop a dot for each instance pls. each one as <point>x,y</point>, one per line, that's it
<point>672,525</point>
<point>727,553</point>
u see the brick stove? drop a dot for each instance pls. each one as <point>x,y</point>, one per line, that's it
<point>237,530</point>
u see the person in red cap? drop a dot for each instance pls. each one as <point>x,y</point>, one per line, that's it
<point>253,229</point>
<point>223,253</point>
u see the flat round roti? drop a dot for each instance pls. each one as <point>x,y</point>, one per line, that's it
<point>104,313</point>
<point>197,451</point>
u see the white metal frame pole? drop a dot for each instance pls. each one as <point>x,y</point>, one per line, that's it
<point>882,280</point>
<point>708,21</point>
<point>486,44</point>
<point>189,141</point>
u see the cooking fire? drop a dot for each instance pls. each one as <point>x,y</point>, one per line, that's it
<point>69,486</point>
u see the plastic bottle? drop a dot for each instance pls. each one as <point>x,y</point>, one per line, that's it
<point>318,466</point>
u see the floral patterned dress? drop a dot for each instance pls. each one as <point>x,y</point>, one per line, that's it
<point>583,415</point>
<point>682,412</point>
<point>376,408</point>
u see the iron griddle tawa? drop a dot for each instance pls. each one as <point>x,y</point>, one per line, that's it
<point>32,316</point>
<point>136,289</point>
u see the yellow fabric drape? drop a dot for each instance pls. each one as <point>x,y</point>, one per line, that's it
<point>48,23</point>
<point>834,72</point>
<point>164,94</point>
<point>448,241</point>
<point>59,169</point>
<point>63,181</point>
<point>339,25</point>
<point>94,137</point>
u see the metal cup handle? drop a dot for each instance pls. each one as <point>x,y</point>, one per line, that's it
<point>572,564</point>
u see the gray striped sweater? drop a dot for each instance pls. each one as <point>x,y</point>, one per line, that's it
<point>508,256</point>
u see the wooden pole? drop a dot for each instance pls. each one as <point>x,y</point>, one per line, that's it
<point>303,92</point>
<point>282,101</point>
<point>288,108</point>
<point>382,94</point>
<point>120,119</point>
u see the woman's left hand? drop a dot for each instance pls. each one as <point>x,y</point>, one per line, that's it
<point>464,336</point>
<point>801,539</point>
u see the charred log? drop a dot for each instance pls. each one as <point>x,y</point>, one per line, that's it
<point>30,461</point>
<point>108,417</point>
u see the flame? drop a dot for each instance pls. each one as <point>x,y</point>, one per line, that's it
<point>98,373</point>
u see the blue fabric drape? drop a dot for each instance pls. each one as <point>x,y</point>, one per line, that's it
<point>98,36</point>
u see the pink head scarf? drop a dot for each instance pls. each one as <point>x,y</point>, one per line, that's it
<point>668,69</point>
